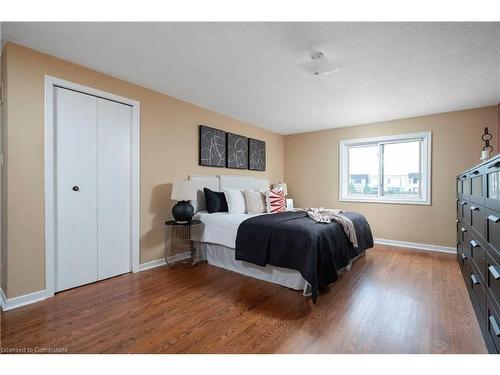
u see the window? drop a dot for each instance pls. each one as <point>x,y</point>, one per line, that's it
<point>392,169</point>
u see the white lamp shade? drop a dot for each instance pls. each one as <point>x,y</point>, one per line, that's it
<point>281,186</point>
<point>183,191</point>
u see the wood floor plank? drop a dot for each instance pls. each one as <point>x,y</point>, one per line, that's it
<point>393,300</point>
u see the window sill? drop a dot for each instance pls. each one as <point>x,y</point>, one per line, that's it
<point>387,201</point>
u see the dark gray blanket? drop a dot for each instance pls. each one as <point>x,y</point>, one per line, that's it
<point>293,240</point>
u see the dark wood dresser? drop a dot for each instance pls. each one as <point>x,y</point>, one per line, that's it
<point>478,244</point>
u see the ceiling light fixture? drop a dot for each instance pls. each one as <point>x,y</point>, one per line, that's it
<point>319,65</point>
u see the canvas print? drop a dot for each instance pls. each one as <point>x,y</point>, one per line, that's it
<point>237,151</point>
<point>257,155</point>
<point>212,147</point>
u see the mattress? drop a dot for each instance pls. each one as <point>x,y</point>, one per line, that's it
<point>223,257</point>
<point>218,241</point>
<point>221,227</point>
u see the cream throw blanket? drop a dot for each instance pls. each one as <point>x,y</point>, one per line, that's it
<point>322,215</point>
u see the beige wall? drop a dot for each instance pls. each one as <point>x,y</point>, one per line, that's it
<point>312,172</point>
<point>169,151</point>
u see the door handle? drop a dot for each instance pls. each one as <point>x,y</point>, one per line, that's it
<point>463,203</point>
<point>473,243</point>
<point>76,188</point>
<point>493,218</point>
<point>474,208</point>
<point>494,165</point>
<point>464,257</point>
<point>494,325</point>
<point>475,172</point>
<point>474,279</point>
<point>494,272</point>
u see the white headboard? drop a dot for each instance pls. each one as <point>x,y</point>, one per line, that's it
<point>211,182</point>
<point>217,183</point>
<point>242,182</point>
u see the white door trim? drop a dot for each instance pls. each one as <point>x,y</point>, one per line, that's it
<point>50,192</point>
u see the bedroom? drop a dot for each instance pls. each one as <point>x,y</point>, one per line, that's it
<point>250,187</point>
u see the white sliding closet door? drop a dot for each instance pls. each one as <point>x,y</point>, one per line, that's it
<point>76,184</point>
<point>114,188</point>
<point>94,188</point>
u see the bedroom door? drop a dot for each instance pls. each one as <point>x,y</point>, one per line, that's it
<point>93,188</point>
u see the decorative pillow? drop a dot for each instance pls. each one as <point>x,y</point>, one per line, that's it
<point>216,202</point>
<point>235,201</point>
<point>256,201</point>
<point>276,201</point>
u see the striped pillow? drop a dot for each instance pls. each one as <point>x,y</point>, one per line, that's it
<point>276,201</point>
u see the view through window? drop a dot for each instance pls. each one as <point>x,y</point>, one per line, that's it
<point>390,168</point>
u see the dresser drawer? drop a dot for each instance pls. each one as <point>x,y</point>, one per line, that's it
<point>476,186</point>
<point>493,229</point>
<point>492,188</point>
<point>466,186</point>
<point>462,232</point>
<point>493,275</point>
<point>493,324</point>
<point>465,266</point>
<point>477,253</point>
<point>478,219</point>
<point>465,212</point>
<point>477,289</point>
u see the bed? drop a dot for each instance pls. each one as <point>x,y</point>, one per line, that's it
<point>222,230</point>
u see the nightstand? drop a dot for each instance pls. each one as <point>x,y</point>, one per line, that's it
<point>182,243</point>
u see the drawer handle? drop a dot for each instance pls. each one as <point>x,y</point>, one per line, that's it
<point>463,203</point>
<point>494,165</point>
<point>494,325</point>
<point>474,279</point>
<point>493,218</point>
<point>463,230</point>
<point>494,272</point>
<point>474,243</point>
<point>475,172</point>
<point>464,257</point>
<point>474,208</point>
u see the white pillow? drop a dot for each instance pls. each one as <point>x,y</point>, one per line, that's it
<point>235,201</point>
<point>256,201</point>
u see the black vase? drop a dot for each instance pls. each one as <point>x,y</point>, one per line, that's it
<point>183,212</point>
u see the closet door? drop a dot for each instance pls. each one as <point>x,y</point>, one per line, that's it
<point>76,186</point>
<point>114,188</point>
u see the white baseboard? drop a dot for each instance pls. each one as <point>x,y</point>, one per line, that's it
<point>416,245</point>
<point>152,264</point>
<point>162,262</point>
<point>26,299</point>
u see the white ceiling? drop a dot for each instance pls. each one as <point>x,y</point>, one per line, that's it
<point>252,71</point>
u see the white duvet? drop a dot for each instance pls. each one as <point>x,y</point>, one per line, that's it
<point>221,227</point>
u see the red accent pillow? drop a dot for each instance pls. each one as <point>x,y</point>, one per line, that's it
<point>276,201</point>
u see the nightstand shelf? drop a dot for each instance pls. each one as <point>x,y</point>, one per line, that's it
<point>182,243</point>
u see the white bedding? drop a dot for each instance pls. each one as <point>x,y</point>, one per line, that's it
<point>221,227</point>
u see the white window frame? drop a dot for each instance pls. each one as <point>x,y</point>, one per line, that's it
<point>425,166</point>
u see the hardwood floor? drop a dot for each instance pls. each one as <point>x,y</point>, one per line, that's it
<point>392,301</point>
